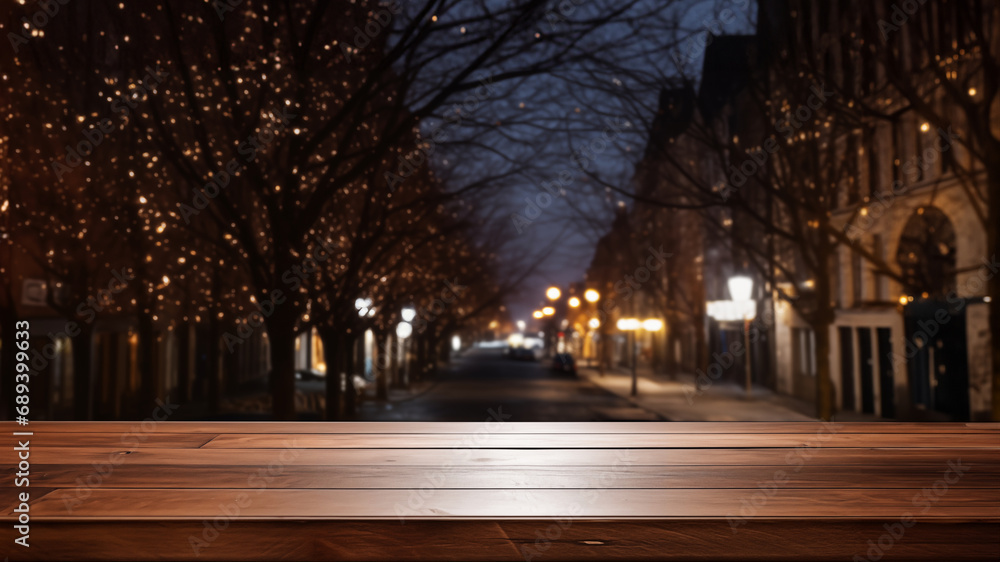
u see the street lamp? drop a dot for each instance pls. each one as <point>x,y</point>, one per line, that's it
<point>538,314</point>
<point>652,325</point>
<point>590,295</point>
<point>553,293</point>
<point>634,325</point>
<point>364,307</point>
<point>408,314</point>
<point>548,311</point>
<point>574,302</point>
<point>741,289</point>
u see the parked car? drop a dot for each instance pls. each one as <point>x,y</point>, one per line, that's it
<point>522,354</point>
<point>564,363</point>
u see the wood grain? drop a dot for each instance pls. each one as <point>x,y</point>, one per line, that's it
<point>598,441</point>
<point>487,458</point>
<point>127,440</point>
<point>540,540</point>
<point>402,504</point>
<point>437,428</point>
<point>516,477</point>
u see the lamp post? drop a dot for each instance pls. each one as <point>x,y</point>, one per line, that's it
<point>592,296</point>
<point>741,289</point>
<point>403,331</point>
<point>633,325</point>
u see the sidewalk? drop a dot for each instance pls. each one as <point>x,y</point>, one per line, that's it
<point>680,400</point>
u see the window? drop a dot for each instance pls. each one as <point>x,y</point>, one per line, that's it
<point>804,352</point>
<point>857,273</point>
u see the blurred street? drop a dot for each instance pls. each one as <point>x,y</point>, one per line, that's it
<point>482,380</point>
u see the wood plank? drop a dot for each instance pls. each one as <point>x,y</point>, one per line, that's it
<point>126,440</point>
<point>482,457</point>
<point>131,541</point>
<point>377,541</point>
<point>493,504</point>
<point>509,426</point>
<point>520,477</point>
<point>759,540</point>
<point>10,495</point>
<point>597,441</point>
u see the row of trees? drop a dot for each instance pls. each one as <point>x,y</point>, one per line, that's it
<point>269,162</point>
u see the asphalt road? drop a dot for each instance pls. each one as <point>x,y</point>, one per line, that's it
<point>482,382</point>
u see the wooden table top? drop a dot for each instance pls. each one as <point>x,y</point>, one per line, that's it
<point>161,472</point>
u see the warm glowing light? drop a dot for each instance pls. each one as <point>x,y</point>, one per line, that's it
<point>629,324</point>
<point>408,314</point>
<point>594,323</point>
<point>548,311</point>
<point>553,293</point>
<point>925,127</point>
<point>652,325</point>
<point>574,302</point>
<point>972,91</point>
<point>740,288</point>
<point>404,330</point>
<point>537,314</point>
<point>903,300</point>
<point>591,295</point>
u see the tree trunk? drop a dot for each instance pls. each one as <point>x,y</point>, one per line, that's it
<point>993,286</point>
<point>333,350</point>
<point>8,358</point>
<point>350,394</point>
<point>281,334</point>
<point>421,365</point>
<point>149,373</point>
<point>701,341</point>
<point>671,351</point>
<point>83,356</point>
<point>380,366</point>
<point>820,324</point>
<point>184,362</point>
<point>211,367</point>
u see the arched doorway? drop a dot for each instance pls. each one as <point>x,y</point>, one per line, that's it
<point>936,348</point>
